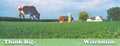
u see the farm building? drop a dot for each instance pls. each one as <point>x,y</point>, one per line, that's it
<point>68,18</point>
<point>63,19</point>
<point>95,19</point>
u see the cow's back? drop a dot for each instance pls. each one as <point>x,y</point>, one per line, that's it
<point>33,10</point>
<point>26,9</point>
<point>29,9</point>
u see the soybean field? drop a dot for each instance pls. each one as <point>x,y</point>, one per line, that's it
<point>56,30</point>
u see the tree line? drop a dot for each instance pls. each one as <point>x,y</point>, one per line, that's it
<point>113,14</point>
<point>26,20</point>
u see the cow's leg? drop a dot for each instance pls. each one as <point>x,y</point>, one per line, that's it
<point>33,17</point>
<point>30,16</point>
<point>23,16</point>
<point>20,16</point>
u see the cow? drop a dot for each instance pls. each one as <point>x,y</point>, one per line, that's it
<point>23,10</point>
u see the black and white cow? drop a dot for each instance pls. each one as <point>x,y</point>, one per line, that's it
<point>23,10</point>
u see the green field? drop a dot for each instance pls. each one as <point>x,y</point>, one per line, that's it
<point>56,30</point>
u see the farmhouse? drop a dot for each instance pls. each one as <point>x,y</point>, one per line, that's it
<point>68,18</point>
<point>95,19</point>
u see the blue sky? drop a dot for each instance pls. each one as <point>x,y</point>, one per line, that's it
<point>52,9</point>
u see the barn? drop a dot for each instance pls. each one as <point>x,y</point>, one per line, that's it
<point>63,19</point>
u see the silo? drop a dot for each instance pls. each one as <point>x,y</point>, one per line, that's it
<point>69,17</point>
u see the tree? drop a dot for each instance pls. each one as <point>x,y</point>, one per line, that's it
<point>113,13</point>
<point>83,16</point>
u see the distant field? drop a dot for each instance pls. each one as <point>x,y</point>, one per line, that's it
<point>49,30</point>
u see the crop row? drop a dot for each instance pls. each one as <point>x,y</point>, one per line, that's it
<point>49,30</point>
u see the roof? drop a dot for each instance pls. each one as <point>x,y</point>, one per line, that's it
<point>65,17</point>
<point>93,18</point>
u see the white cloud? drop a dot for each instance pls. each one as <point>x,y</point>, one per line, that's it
<point>53,5</point>
<point>94,4</point>
<point>46,4</point>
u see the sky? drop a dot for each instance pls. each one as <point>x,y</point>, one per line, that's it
<point>53,9</point>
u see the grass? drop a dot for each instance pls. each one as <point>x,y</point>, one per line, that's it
<point>53,30</point>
